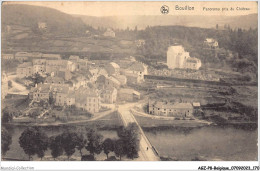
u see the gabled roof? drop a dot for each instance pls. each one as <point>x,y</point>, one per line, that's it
<point>54,79</point>
<point>193,60</point>
<point>136,66</point>
<point>129,91</point>
<point>25,65</point>
<point>73,57</point>
<point>182,106</point>
<point>196,104</point>
<point>60,88</point>
<point>42,88</point>
<point>115,65</point>
<point>114,80</point>
<point>57,56</point>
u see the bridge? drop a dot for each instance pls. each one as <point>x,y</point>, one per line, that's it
<point>127,117</point>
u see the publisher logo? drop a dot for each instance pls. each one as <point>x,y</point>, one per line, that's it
<point>164,9</point>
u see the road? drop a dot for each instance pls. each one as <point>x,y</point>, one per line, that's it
<point>127,117</point>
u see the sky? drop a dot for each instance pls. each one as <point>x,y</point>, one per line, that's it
<point>104,8</point>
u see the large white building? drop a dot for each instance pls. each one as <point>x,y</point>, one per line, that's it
<point>177,57</point>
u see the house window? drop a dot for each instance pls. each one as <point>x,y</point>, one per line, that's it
<point>158,108</point>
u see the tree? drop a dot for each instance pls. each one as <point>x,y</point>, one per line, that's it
<point>33,141</point>
<point>80,143</point>
<point>10,84</point>
<point>131,138</point>
<point>94,145</point>
<point>55,145</point>
<point>6,141</point>
<point>41,140</point>
<point>37,78</point>
<point>119,148</point>
<point>108,146</point>
<point>69,143</point>
<point>7,116</point>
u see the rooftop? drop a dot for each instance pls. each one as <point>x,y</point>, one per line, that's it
<point>136,66</point>
<point>115,65</point>
<point>25,65</point>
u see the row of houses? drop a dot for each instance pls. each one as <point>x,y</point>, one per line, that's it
<point>56,66</point>
<point>85,89</point>
<point>178,109</point>
<point>133,73</point>
<point>62,95</point>
<point>26,56</point>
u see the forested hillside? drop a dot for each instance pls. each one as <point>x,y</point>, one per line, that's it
<point>243,43</point>
<point>29,16</point>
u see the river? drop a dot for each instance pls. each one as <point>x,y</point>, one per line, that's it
<point>205,143</point>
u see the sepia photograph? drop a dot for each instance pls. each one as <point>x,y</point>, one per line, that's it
<point>129,81</point>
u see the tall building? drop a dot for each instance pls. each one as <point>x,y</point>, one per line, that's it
<point>177,57</point>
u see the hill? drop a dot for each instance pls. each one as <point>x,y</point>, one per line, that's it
<point>122,22</point>
<point>27,16</point>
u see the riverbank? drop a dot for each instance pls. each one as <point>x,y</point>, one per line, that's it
<point>151,121</point>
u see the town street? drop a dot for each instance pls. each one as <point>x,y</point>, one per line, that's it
<point>127,117</point>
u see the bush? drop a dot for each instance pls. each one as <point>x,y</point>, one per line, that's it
<point>88,158</point>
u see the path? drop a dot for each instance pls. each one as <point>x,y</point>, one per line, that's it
<point>127,117</point>
<point>17,88</point>
<point>96,116</point>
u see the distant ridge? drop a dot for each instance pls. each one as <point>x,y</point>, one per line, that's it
<point>122,22</point>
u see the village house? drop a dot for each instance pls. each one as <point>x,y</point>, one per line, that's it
<point>56,65</point>
<point>71,99</point>
<point>100,82</point>
<point>193,63</point>
<point>40,92</point>
<point>79,81</point>
<point>88,99</point>
<point>81,64</point>
<point>22,56</point>
<point>212,43</point>
<point>74,58</point>
<point>36,55</point>
<point>63,73</point>
<point>112,68</point>
<point>59,93</point>
<point>135,72</point>
<point>112,82</point>
<point>24,70</point>
<point>110,33</point>
<point>51,56</point>
<point>140,43</point>
<point>42,25</point>
<point>8,56</point>
<point>94,74</point>
<point>127,94</point>
<point>39,66</point>
<point>54,80</point>
<point>121,78</point>
<point>170,109</point>
<point>108,95</point>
